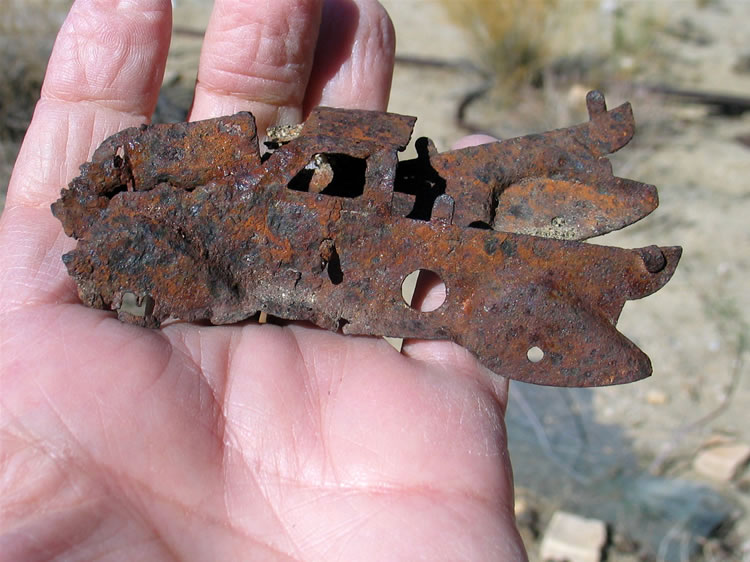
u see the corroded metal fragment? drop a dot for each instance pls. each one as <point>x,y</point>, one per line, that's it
<point>189,222</point>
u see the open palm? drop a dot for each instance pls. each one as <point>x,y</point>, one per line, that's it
<point>202,442</point>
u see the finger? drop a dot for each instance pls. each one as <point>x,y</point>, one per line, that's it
<point>103,75</point>
<point>257,57</point>
<point>460,362</point>
<point>354,57</point>
<point>473,140</point>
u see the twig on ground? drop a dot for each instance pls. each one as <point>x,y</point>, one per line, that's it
<point>468,98</point>
<point>657,465</point>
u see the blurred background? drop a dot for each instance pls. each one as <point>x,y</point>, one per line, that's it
<point>658,466</point>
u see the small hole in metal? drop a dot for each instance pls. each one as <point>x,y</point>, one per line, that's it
<point>535,354</point>
<point>137,306</point>
<point>119,158</point>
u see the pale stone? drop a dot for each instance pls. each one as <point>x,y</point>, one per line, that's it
<point>572,538</point>
<point>657,397</point>
<point>576,97</point>
<point>520,507</point>
<point>722,462</point>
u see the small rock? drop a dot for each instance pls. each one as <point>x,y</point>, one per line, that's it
<point>573,538</point>
<point>744,485</point>
<point>576,97</point>
<point>526,516</point>
<point>743,140</point>
<point>657,397</point>
<point>722,462</point>
<point>627,62</point>
<point>742,64</point>
<point>520,506</point>
<point>624,544</point>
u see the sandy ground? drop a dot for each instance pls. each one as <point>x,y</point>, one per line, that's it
<point>593,451</point>
<point>696,329</point>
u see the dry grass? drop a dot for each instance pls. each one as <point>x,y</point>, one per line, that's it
<point>509,34</point>
<point>531,43</point>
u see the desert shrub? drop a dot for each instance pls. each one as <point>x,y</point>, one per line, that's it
<point>525,42</point>
<point>509,33</point>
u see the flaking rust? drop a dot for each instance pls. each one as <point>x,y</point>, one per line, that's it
<point>188,221</point>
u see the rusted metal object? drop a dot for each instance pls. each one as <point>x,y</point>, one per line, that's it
<point>191,223</point>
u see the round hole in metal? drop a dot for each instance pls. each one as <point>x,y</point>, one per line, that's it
<point>423,290</point>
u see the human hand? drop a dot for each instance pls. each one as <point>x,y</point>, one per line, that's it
<point>228,443</point>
